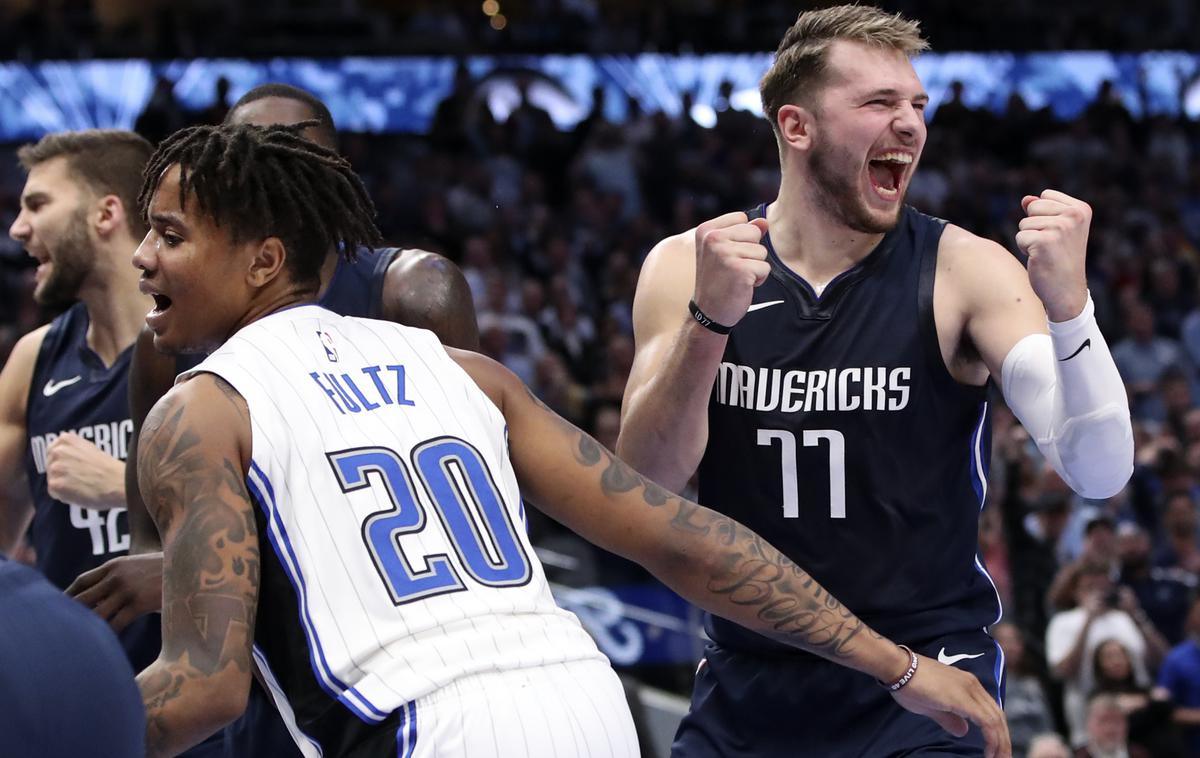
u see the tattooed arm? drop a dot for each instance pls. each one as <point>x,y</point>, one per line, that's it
<point>710,559</point>
<point>192,461</point>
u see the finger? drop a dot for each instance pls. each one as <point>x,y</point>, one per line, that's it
<point>123,618</point>
<point>85,580</point>
<point>952,723</point>
<point>108,607</point>
<point>1042,222</point>
<point>761,223</point>
<point>742,233</point>
<point>1062,197</point>
<point>1025,201</point>
<point>760,269</point>
<point>1027,238</point>
<point>94,596</point>
<point>720,222</point>
<point>1044,207</point>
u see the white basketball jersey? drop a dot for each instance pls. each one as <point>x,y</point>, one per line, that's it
<point>394,550</point>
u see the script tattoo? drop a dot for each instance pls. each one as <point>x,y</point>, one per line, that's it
<point>211,561</point>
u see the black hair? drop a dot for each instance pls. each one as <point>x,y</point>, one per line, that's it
<point>261,182</point>
<point>317,109</point>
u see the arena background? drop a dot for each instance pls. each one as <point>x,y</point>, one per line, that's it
<point>546,145</point>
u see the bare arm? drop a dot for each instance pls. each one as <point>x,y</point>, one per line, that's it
<point>151,375</point>
<point>192,471</point>
<point>427,290</point>
<point>711,560</point>
<point>664,416</point>
<point>16,509</point>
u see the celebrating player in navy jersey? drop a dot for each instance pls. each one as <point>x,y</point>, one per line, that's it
<point>338,501</point>
<point>63,409</point>
<point>822,364</point>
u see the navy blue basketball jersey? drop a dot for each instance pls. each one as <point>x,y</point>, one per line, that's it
<point>837,432</point>
<point>73,391</point>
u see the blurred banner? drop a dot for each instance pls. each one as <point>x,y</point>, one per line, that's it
<point>388,95</point>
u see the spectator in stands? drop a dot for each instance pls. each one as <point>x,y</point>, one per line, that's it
<point>1073,636</point>
<point>1107,731</point>
<point>1142,358</point>
<point>1147,710</point>
<point>1179,544</point>
<point>1163,593</point>
<point>1025,705</point>
<point>1180,677</point>
<point>1047,745</point>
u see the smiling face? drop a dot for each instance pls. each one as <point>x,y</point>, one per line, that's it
<point>868,131</point>
<point>53,228</point>
<point>194,271</point>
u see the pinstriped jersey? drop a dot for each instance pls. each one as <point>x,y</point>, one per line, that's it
<point>837,432</point>
<point>395,557</point>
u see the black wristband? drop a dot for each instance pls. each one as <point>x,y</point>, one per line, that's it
<point>705,321</point>
<point>907,676</point>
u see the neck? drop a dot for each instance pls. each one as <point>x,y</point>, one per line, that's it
<point>116,310</point>
<point>810,240</point>
<point>270,302</point>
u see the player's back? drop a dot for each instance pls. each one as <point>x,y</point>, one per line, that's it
<point>837,431</point>
<point>395,557</point>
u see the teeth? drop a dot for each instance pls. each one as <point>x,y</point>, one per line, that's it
<point>895,157</point>
<point>888,193</point>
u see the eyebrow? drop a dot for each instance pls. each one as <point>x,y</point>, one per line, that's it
<point>174,219</point>
<point>31,197</point>
<point>922,97</point>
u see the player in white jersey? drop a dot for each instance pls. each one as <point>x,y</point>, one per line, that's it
<point>339,504</point>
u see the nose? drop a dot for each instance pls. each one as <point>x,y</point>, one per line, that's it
<point>145,257</point>
<point>21,230</point>
<point>909,121</point>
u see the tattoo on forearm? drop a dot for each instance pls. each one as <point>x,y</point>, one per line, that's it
<point>777,597</point>
<point>211,565</point>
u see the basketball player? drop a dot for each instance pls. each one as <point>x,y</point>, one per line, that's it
<point>822,363</point>
<point>66,687</point>
<point>413,287</point>
<point>338,502</point>
<point>64,418</point>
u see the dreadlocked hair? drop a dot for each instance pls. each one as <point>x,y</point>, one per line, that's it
<point>261,182</point>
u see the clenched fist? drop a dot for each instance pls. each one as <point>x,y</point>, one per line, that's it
<point>79,473</point>
<point>1054,235</point>
<point>730,262</point>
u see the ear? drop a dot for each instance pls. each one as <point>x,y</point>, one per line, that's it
<point>797,127</point>
<point>270,256</point>
<point>109,215</point>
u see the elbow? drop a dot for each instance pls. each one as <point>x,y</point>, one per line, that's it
<point>1096,452</point>
<point>223,698</point>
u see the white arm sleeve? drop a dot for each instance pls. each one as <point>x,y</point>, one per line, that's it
<point>1066,391</point>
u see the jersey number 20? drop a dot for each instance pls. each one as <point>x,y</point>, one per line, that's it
<point>467,502</point>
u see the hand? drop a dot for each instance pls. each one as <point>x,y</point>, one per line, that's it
<point>79,473</point>
<point>1094,603</point>
<point>1054,235</point>
<point>122,589</point>
<point>952,698</point>
<point>730,262</point>
<point>1127,601</point>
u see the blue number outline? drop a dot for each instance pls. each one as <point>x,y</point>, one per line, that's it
<point>381,530</point>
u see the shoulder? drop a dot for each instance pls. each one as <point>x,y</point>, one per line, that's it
<point>202,408</point>
<point>970,259</point>
<point>665,283</point>
<point>425,289</point>
<point>17,375</point>
<point>493,378</point>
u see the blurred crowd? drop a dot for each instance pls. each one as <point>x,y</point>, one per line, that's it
<point>1102,627</point>
<point>170,29</point>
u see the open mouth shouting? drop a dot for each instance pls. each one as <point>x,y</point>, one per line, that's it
<point>887,172</point>
<point>162,304</point>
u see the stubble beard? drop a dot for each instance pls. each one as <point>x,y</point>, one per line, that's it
<point>835,182</point>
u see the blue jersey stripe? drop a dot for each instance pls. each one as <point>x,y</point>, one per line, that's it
<point>278,536</point>
<point>277,693</point>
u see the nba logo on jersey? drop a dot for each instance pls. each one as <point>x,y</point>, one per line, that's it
<point>327,343</point>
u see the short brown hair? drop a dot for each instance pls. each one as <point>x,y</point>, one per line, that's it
<point>801,60</point>
<point>108,161</point>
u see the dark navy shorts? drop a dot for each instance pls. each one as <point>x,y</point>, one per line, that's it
<point>782,706</point>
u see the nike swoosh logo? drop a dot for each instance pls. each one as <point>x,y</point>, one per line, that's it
<point>53,386</point>
<point>760,306</point>
<point>950,660</point>
<point>1086,343</point>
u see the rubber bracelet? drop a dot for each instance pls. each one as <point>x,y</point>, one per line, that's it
<point>705,321</point>
<point>907,676</point>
